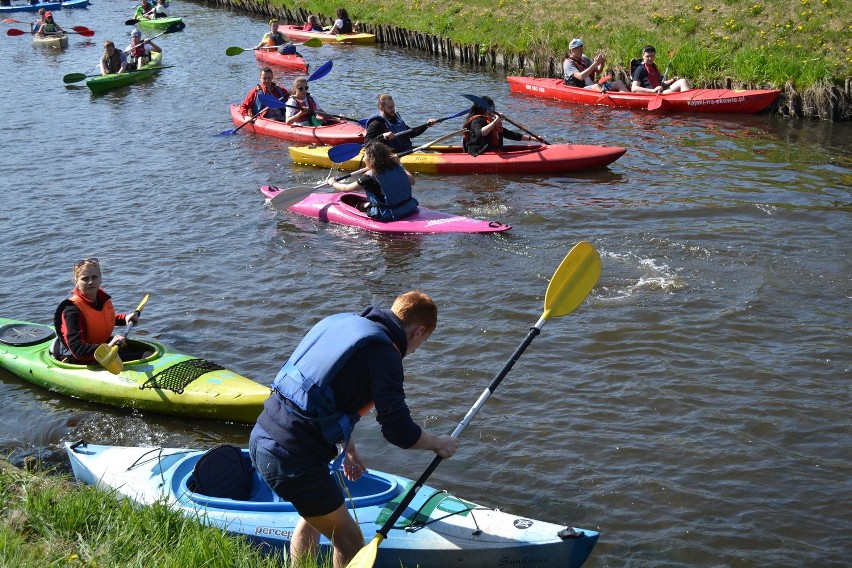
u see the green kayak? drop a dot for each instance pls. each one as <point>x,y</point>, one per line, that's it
<point>158,380</point>
<point>160,23</point>
<point>106,83</point>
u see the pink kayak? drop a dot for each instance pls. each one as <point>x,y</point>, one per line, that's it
<point>339,208</point>
<point>335,132</point>
<point>275,59</point>
<point>696,100</point>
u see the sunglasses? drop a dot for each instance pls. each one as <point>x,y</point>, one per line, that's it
<point>302,88</point>
<point>90,260</point>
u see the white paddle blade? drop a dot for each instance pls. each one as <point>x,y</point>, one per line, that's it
<point>291,196</point>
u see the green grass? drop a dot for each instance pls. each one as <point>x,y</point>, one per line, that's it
<point>46,521</point>
<point>760,43</point>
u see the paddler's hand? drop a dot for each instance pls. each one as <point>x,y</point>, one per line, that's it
<point>353,466</point>
<point>133,318</point>
<point>389,135</point>
<point>431,122</point>
<point>116,340</point>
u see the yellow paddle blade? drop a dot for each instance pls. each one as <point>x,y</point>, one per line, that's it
<point>573,280</point>
<point>109,359</point>
<point>142,303</point>
<point>366,557</point>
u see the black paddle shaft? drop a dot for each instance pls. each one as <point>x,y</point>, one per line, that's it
<point>412,492</point>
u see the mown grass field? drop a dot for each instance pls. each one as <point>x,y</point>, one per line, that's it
<point>756,42</point>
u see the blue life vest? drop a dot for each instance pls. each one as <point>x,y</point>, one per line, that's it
<point>272,113</point>
<point>305,380</point>
<point>399,143</point>
<point>398,202</point>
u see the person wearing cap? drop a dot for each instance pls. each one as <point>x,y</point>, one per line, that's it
<point>113,60</point>
<point>140,50</point>
<point>580,71</point>
<point>49,27</point>
<point>251,104</point>
<point>483,130</point>
<point>647,78</point>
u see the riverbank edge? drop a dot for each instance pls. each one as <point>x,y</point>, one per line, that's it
<point>825,101</point>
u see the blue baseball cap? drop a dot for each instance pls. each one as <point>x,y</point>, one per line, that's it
<point>575,43</point>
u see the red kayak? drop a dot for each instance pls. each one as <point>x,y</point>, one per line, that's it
<point>696,100</point>
<point>275,59</point>
<point>512,159</point>
<point>335,132</point>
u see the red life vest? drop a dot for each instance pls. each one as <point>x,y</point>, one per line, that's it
<point>494,137</point>
<point>138,51</point>
<point>653,75</point>
<point>581,66</point>
<point>96,326</point>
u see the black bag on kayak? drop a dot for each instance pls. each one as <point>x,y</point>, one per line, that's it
<point>634,63</point>
<point>223,472</point>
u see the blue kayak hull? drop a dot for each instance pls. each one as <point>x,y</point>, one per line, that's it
<point>437,529</point>
<point>45,5</point>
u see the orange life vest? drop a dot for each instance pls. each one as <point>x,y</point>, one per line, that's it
<point>96,326</point>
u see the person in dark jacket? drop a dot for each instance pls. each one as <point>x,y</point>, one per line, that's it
<point>347,364</point>
<point>484,130</point>
<point>387,126</point>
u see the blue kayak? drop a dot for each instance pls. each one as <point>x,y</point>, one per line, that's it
<point>46,5</point>
<point>437,530</point>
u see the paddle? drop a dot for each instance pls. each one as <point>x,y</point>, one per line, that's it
<point>77,77</point>
<point>344,152</point>
<point>657,101</point>
<point>231,51</point>
<point>12,21</point>
<point>482,103</point>
<point>321,72</point>
<point>85,33</point>
<point>107,354</point>
<point>292,195</point>
<point>571,283</point>
<point>272,102</point>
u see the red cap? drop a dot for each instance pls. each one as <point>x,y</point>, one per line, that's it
<point>48,14</point>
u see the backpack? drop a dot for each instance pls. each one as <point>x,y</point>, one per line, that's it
<point>634,63</point>
<point>223,472</point>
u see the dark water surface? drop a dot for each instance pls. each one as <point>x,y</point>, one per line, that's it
<point>695,409</point>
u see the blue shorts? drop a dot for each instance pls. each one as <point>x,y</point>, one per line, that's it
<point>312,489</point>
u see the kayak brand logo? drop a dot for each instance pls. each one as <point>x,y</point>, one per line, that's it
<point>535,88</point>
<point>716,101</point>
<point>522,524</point>
<point>524,561</point>
<point>283,533</point>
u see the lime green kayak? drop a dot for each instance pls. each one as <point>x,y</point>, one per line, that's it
<point>112,81</point>
<point>161,380</point>
<point>158,23</point>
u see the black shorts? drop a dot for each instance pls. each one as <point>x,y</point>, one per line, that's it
<point>312,489</point>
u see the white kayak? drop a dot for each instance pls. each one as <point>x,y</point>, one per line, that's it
<point>437,530</point>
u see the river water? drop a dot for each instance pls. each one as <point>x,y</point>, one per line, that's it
<point>695,409</point>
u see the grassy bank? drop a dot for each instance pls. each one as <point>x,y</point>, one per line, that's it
<point>760,42</point>
<point>47,521</point>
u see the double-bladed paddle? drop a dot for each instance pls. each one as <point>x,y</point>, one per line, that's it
<point>344,152</point>
<point>292,195</point>
<point>77,77</point>
<point>85,32</point>
<point>321,72</point>
<point>571,283</point>
<point>107,353</point>
<point>484,104</point>
<point>231,51</point>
